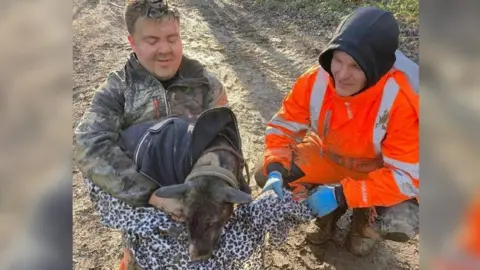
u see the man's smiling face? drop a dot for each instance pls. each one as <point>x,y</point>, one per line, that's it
<point>158,45</point>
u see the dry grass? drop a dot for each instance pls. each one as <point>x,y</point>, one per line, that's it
<point>406,11</point>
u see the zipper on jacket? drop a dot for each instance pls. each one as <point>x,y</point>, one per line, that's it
<point>167,106</point>
<point>156,108</point>
<point>349,110</point>
<point>164,90</point>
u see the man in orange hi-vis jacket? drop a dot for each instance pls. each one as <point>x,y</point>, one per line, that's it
<point>349,128</point>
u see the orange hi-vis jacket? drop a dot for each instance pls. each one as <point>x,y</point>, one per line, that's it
<point>368,142</point>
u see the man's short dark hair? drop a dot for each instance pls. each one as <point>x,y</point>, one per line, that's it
<point>148,9</point>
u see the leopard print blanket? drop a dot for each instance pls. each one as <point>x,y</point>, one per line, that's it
<point>158,242</point>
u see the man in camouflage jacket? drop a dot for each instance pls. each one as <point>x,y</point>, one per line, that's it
<point>157,81</point>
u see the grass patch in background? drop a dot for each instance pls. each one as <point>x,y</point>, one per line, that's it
<point>406,11</point>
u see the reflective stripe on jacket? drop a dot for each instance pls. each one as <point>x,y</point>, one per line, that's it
<point>375,131</point>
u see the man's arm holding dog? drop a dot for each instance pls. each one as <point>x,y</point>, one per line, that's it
<point>96,151</point>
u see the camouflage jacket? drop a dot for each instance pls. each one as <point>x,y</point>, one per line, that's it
<point>131,96</point>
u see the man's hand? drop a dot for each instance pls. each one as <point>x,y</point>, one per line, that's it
<point>171,206</point>
<point>275,183</point>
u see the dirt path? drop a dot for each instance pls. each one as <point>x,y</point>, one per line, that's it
<point>257,64</point>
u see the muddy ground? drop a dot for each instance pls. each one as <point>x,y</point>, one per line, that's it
<point>258,60</point>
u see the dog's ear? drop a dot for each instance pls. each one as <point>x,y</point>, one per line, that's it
<point>175,191</point>
<point>232,195</point>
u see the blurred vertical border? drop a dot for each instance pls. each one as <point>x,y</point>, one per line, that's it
<point>35,135</point>
<point>450,132</point>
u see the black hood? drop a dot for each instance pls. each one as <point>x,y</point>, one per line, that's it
<point>370,36</point>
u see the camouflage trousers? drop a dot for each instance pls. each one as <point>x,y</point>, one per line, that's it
<point>398,223</point>
<point>402,218</point>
